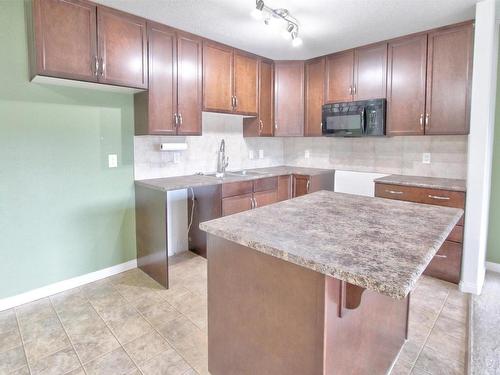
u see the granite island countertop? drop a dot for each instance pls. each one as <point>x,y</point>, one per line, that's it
<point>379,244</point>
<point>183,182</point>
<point>425,182</point>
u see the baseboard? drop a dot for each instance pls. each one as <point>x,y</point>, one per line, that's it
<point>61,286</point>
<point>494,267</point>
<point>470,287</point>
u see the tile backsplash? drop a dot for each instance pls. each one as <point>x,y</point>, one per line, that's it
<point>400,155</point>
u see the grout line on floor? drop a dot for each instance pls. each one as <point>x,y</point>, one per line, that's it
<point>22,343</point>
<point>67,335</point>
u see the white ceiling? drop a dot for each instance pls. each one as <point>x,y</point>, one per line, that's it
<point>325,25</point>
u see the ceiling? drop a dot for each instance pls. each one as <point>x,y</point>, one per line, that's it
<point>325,25</point>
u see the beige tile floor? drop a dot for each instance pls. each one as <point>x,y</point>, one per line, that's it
<point>128,324</point>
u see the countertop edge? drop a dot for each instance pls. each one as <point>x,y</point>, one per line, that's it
<point>344,275</point>
<point>387,180</point>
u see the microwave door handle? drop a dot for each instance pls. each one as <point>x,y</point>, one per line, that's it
<point>363,122</point>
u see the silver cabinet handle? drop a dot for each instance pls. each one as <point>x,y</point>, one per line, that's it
<point>321,126</point>
<point>103,67</point>
<point>276,124</point>
<point>427,124</point>
<point>252,205</point>
<point>439,197</point>
<point>394,192</point>
<point>350,90</point>
<point>261,126</point>
<point>95,66</point>
<point>176,119</point>
<point>440,256</point>
<point>308,185</point>
<point>354,90</point>
<point>235,102</point>
<point>255,202</point>
<point>180,118</point>
<point>421,121</point>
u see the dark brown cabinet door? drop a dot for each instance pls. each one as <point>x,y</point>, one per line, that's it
<point>301,185</point>
<point>65,39</point>
<point>266,98</point>
<point>237,203</point>
<point>407,58</point>
<point>289,98</point>
<point>314,90</point>
<point>122,48</point>
<point>263,198</point>
<point>339,77</point>
<point>246,86</point>
<point>449,74</point>
<point>217,77</point>
<point>189,84</point>
<point>370,72</point>
<point>162,80</point>
<point>284,187</point>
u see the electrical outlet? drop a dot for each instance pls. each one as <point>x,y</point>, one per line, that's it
<point>261,154</point>
<point>250,154</point>
<point>307,154</point>
<point>426,158</point>
<point>112,161</point>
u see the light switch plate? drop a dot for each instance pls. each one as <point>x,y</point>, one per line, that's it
<point>112,161</point>
<point>426,158</point>
<point>307,154</point>
<point>250,154</point>
<point>261,154</point>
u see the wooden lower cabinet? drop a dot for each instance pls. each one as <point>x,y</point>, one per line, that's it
<point>305,184</point>
<point>446,264</point>
<point>284,188</point>
<point>301,185</point>
<point>263,198</point>
<point>238,203</point>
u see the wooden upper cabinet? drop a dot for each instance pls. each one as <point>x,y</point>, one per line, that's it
<point>289,98</point>
<point>189,84</point>
<point>339,77</point>
<point>406,79</point>
<point>449,76</point>
<point>217,77</point>
<point>155,109</point>
<point>122,48</point>
<point>370,72</point>
<point>314,91</point>
<point>65,43</point>
<point>246,86</point>
<point>262,125</point>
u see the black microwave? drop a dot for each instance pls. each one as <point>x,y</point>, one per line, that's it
<point>354,119</point>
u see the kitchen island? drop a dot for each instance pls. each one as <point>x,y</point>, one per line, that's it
<point>318,284</point>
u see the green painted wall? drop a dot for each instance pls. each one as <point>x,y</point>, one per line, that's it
<point>63,213</point>
<point>493,254</point>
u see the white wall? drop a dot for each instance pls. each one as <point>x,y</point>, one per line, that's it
<point>480,147</point>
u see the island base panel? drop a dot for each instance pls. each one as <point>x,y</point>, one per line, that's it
<point>269,316</point>
<point>151,233</point>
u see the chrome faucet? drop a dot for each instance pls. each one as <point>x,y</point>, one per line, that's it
<point>222,160</point>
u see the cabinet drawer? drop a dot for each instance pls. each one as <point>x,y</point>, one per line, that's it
<point>238,203</point>
<point>421,195</point>
<point>236,188</point>
<point>446,263</point>
<point>264,184</point>
<point>457,234</point>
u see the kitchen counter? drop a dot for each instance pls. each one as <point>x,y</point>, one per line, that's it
<point>378,244</point>
<point>425,182</point>
<point>183,182</point>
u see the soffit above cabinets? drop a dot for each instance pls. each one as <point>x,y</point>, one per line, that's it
<point>325,25</point>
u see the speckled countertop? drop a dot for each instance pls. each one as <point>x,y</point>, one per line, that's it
<point>425,182</point>
<point>183,182</point>
<point>379,244</point>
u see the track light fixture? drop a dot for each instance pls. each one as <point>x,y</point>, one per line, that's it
<point>279,18</point>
